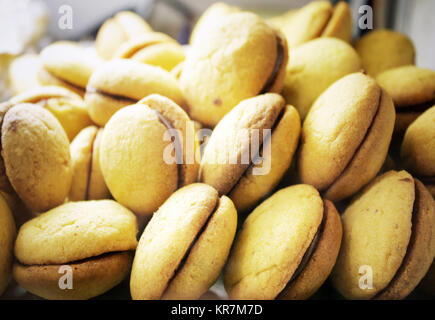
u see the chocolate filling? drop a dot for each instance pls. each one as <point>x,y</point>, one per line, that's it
<point>84,260</point>
<point>367,133</point>
<point>278,63</point>
<point>308,253</point>
<point>415,209</point>
<point>193,243</point>
<point>117,97</point>
<point>260,150</point>
<point>177,145</point>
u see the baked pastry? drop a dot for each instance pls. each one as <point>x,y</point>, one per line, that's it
<point>94,239</point>
<point>427,285</point>
<point>250,149</point>
<point>382,49</point>
<point>286,248</point>
<point>87,177</point>
<point>65,105</point>
<point>313,67</point>
<point>122,27</point>
<point>239,58</point>
<point>153,48</point>
<point>412,90</point>
<point>7,237</point>
<point>67,64</point>
<point>316,19</point>
<point>345,136</point>
<point>184,246</point>
<point>418,149</point>
<point>35,156</point>
<point>141,165</point>
<point>388,239</point>
<point>121,82</point>
<point>211,17</point>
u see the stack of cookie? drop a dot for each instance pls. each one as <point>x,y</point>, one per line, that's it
<point>274,156</point>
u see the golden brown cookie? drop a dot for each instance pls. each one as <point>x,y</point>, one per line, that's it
<point>35,156</point>
<point>412,90</point>
<point>121,82</point>
<point>184,246</point>
<point>88,181</point>
<point>313,67</point>
<point>250,149</point>
<point>68,65</point>
<point>65,105</point>
<point>239,58</point>
<point>382,49</point>
<point>122,27</point>
<point>388,239</point>
<point>345,136</point>
<point>286,247</point>
<point>418,148</point>
<point>91,239</point>
<point>316,19</point>
<point>140,136</point>
<point>153,48</point>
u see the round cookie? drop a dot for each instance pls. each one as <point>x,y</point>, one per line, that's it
<point>381,50</point>
<point>286,248</point>
<point>154,171</point>
<point>7,237</point>
<point>68,65</point>
<point>184,246</point>
<point>387,230</point>
<point>239,58</point>
<point>211,16</point>
<point>121,82</point>
<point>412,90</point>
<point>313,67</point>
<point>87,178</point>
<point>316,19</point>
<point>93,238</point>
<point>125,25</point>
<point>342,154</point>
<point>418,148</point>
<point>153,48</point>
<point>250,149</point>
<point>65,105</point>
<point>35,156</point>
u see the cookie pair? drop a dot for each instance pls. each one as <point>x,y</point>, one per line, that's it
<point>388,239</point>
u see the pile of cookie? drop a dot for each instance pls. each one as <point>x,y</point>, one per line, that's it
<point>319,168</point>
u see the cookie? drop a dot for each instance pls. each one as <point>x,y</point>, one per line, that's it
<point>286,248</point>
<point>250,149</point>
<point>313,67</point>
<point>343,153</point>
<point>184,246</point>
<point>239,58</point>
<point>92,238</point>
<point>388,239</point>
<point>153,172</point>
<point>382,49</point>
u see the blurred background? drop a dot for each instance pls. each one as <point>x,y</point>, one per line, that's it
<point>18,18</point>
<point>29,25</point>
